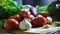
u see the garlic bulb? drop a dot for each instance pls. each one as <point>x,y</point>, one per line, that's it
<point>25,24</point>
<point>49,19</point>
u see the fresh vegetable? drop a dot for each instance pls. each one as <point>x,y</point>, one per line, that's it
<point>3,1</point>
<point>23,7</point>
<point>44,14</point>
<point>25,24</point>
<point>10,8</point>
<point>39,21</point>
<point>3,13</point>
<point>16,17</point>
<point>11,24</point>
<point>31,17</point>
<point>41,8</point>
<point>51,7</point>
<point>33,10</point>
<point>56,23</point>
<point>1,23</point>
<point>24,13</point>
<point>49,19</point>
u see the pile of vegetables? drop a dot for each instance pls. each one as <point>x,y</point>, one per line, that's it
<point>23,17</point>
<point>24,21</point>
<point>9,8</point>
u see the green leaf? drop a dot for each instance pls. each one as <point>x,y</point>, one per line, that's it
<point>41,8</point>
<point>9,0</point>
<point>3,1</point>
<point>37,6</point>
<point>1,23</point>
<point>56,23</point>
<point>8,9</point>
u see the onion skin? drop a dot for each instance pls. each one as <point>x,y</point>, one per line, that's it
<point>44,14</point>
<point>11,24</point>
<point>33,10</point>
<point>16,17</point>
<point>31,17</point>
<point>24,13</point>
<point>39,21</point>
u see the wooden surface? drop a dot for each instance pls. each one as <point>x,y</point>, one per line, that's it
<point>32,31</point>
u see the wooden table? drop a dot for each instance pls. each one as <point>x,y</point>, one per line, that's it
<point>33,31</point>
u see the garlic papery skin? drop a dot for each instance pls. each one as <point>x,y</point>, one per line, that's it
<point>49,19</point>
<point>25,24</point>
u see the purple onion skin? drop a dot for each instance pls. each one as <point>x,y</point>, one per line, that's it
<point>33,10</point>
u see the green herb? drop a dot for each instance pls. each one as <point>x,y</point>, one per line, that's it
<point>1,23</point>
<point>41,8</point>
<point>3,1</point>
<point>10,8</point>
<point>56,23</point>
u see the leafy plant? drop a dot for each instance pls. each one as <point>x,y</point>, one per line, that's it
<point>56,23</point>
<point>3,1</point>
<point>1,23</point>
<point>9,8</point>
<point>41,8</point>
